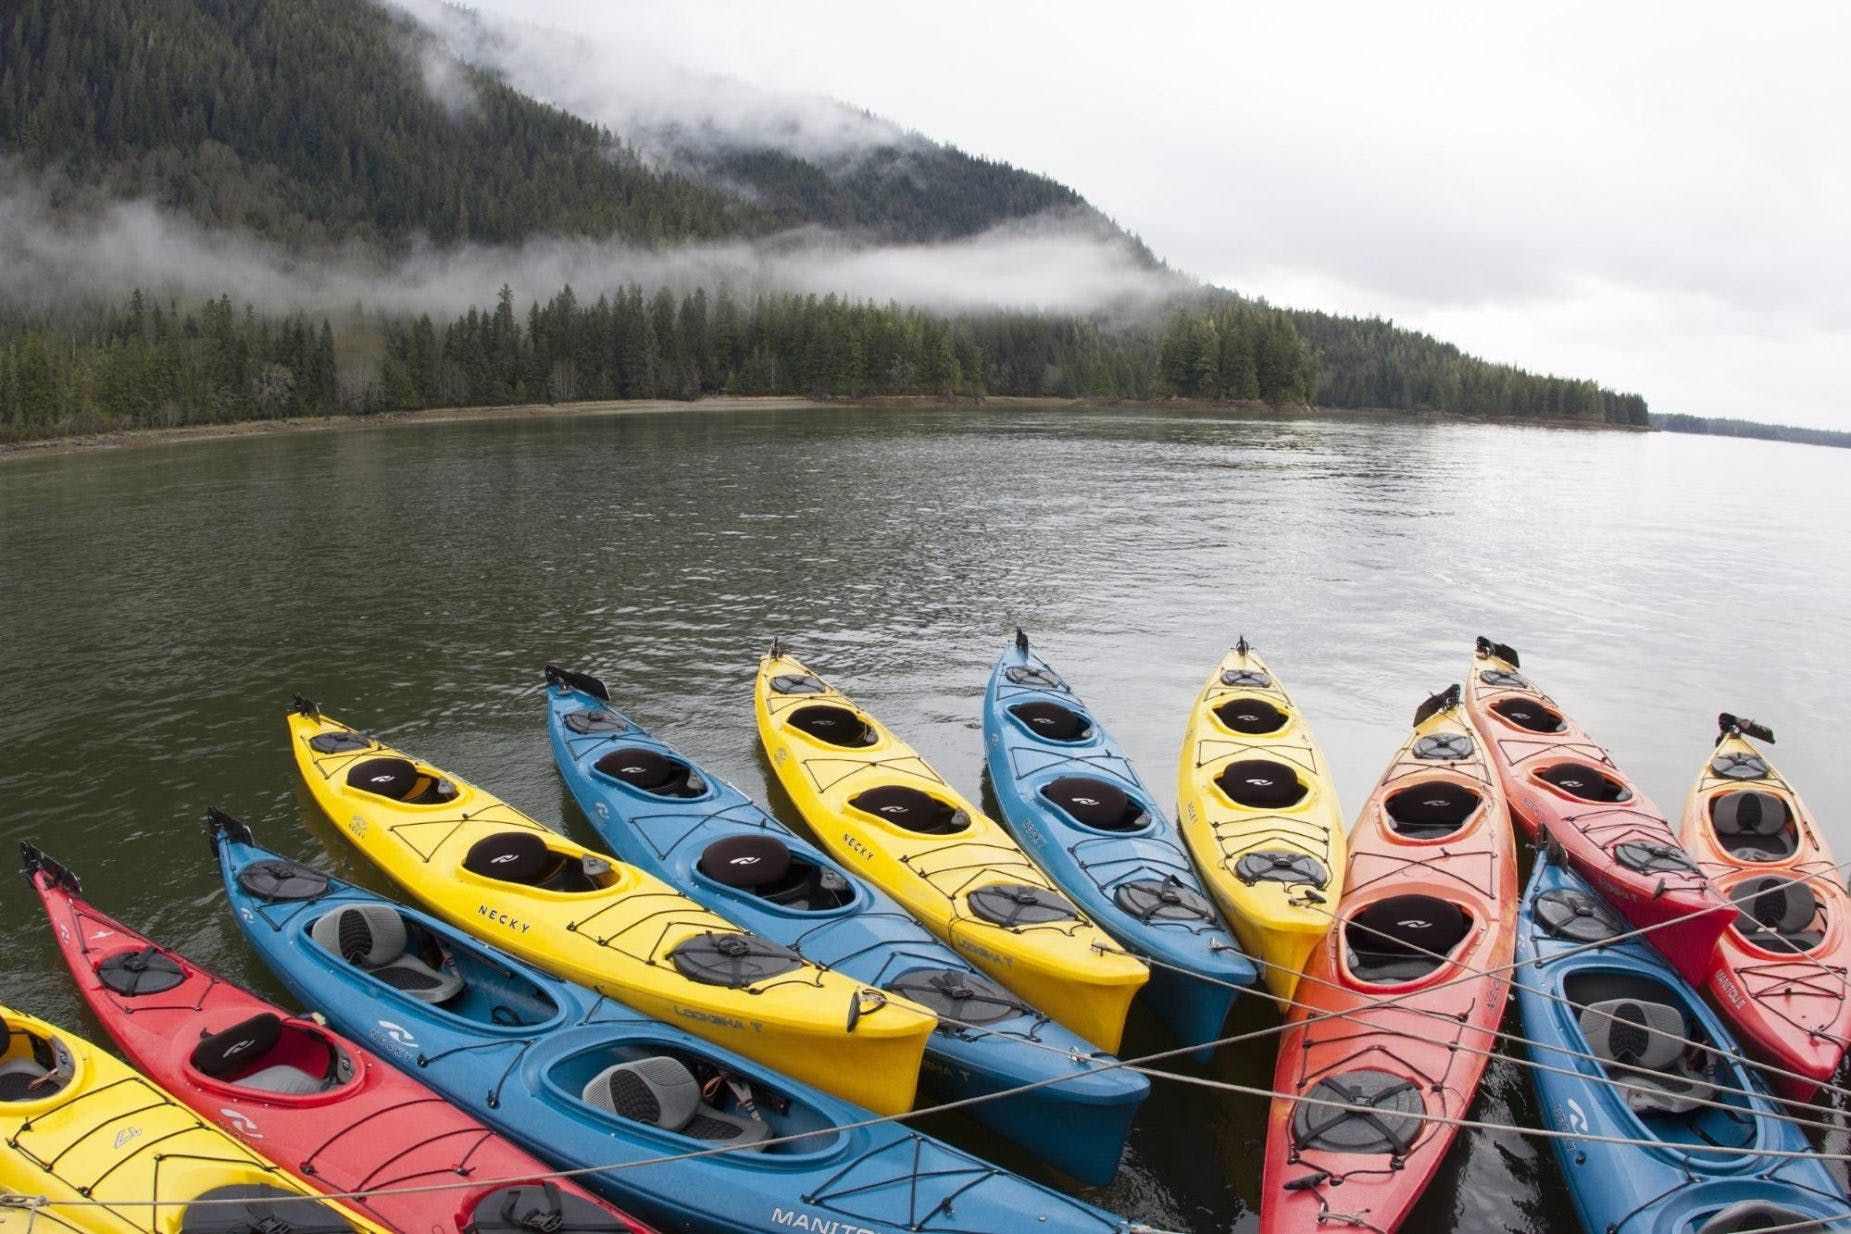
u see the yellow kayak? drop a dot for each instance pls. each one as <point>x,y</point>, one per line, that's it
<point>1260,815</point>
<point>487,868</point>
<point>105,1151</point>
<point>882,811</point>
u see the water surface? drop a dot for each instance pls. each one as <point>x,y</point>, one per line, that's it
<point>159,606</point>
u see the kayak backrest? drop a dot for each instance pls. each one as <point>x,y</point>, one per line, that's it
<point>32,1067</point>
<point>1648,1038</point>
<point>662,1092</point>
<point>374,937</point>
<point>1754,825</point>
<point>259,1209</point>
<point>541,1207</point>
<point>265,1054</point>
<point>1751,1215</point>
<point>1777,914</point>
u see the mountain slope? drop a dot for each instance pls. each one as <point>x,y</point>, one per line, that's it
<point>314,120</point>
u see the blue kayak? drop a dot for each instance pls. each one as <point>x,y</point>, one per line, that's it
<point>584,1081</point>
<point>1070,797</point>
<point>1625,1006</point>
<point>661,812</point>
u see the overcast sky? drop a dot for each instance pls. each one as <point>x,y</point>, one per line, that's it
<point>1655,196</point>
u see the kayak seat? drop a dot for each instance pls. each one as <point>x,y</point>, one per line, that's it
<point>1754,826</point>
<point>836,726</point>
<point>911,810</point>
<point>1527,713</point>
<point>1582,781</point>
<point>400,779</point>
<point>662,1092</point>
<point>652,772</point>
<point>374,937</point>
<point>1777,914</point>
<point>45,1068</point>
<point>1052,722</point>
<point>1748,1216</point>
<point>1402,938</point>
<point>1429,811</point>
<point>265,1054</point>
<point>1096,804</point>
<point>523,857</point>
<point>1643,1044</point>
<point>258,1209</point>
<point>1251,715</point>
<point>1261,784</point>
<point>765,866</point>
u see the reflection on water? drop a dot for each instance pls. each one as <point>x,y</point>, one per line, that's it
<point>159,606</point>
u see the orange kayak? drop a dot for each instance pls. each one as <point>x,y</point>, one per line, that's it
<point>1429,899</point>
<point>1562,783</point>
<point>1779,972</point>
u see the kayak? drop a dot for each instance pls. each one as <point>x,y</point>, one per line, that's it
<point>686,1133</point>
<point>1259,813</point>
<point>1070,797</point>
<point>483,865</point>
<point>1562,783</point>
<point>102,1150</point>
<point>1779,972</point>
<point>1427,920</point>
<point>317,1104</point>
<point>666,815</point>
<point>886,814</point>
<point>1605,1014</point>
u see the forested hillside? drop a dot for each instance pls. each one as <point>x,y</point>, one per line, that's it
<point>314,124</point>
<point>1724,427</point>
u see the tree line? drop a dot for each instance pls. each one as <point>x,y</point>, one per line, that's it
<point>1725,427</point>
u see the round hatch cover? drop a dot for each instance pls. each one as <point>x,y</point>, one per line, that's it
<point>1246,677</point>
<point>1503,680</point>
<point>1046,678</point>
<point>1390,1123</point>
<point>1147,899</point>
<point>733,960</point>
<point>146,971</point>
<point>540,1206</point>
<point>1019,904</point>
<point>1654,858</point>
<point>278,879</point>
<point>342,742</point>
<point>1576,916</point>
<point>959,996</point>
<point>1278,866</point>
<point>1444,747</point>
<point>797,683</point>
<point>1739,766</point>
<point>595,720</point>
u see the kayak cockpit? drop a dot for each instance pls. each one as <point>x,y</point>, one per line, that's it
<point>378,941</point>
<point>1052,722</point>
<point>1584,783</point>
<point>1530,715</point>
<point>909,809</point>
<point>764,866</point>
<point>401,780</point>
<point>1754,825</point>
<point>1399,939</point>
<point>680,1091</point>
<point>270,1055</point>
<point>1261,784</point>
<point>1251,716</point>
<point>652,772</point>
<point>257,1208</point>
<point>1648,1041</point>
<point>1777,914</point>
<point>1097,804</point>
<point>1430,811</point>
<point>33,1067</point>
<point>835,726</point>
<point>526,859</point>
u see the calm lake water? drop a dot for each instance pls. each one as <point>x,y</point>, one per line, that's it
<point>159,606</point>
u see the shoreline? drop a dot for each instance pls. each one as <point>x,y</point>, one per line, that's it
<point>137,438</point>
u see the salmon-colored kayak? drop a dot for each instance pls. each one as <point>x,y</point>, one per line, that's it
<point>1779,972</point>
<point>1392,1011</point>
<point>315,1103</point>
<point>1562,783</point>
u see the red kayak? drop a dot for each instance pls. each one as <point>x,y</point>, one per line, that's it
<point>1780,971</point>
<point>313,1102</point>
<point>1399,1005</point>
<point>1563,784</point>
